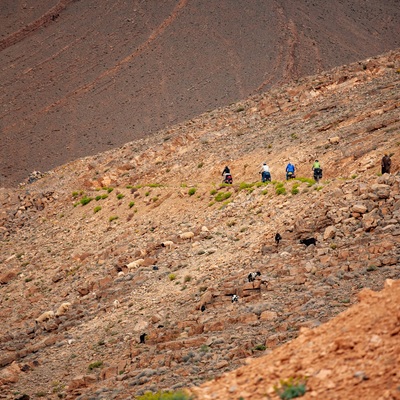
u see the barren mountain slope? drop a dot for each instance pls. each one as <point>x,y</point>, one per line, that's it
<point>76,236</point>
<point>79,77</point>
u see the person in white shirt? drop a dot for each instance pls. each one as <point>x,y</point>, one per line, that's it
<point>265,173</point>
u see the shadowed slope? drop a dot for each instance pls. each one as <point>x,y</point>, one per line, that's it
<point>82,77</point>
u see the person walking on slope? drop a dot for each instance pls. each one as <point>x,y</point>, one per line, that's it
<point>316,165</point>
<point>386,164</point>
<point>265,173</point>
<point>226,173</point>
<point>317,171</point>
<point>290,170</point>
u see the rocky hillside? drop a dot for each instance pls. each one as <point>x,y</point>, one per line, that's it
<point>90,233</point>
<point>82,77</point>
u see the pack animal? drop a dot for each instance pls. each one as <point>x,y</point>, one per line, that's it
<point>142,338</point>
<point>278,238</point>
<point>64,307</point>
<point>309,241</point>
<point>253,275</point>
<point>187,235</point>
<point>44,317</point>
<point>168,243</point>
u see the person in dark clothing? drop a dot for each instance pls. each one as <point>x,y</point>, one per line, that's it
<point>386,164</point>
<point>226,171</point>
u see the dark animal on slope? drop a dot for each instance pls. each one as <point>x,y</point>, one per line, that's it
<point>234,298</point>
<point>253,275</point>
<point>203,308</point>
<point>309,241</point>
<point>278,238</point>
<point>143,337</point>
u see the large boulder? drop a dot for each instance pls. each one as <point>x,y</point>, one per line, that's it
<point>381,190</point>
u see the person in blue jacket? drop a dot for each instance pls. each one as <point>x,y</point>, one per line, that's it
<point>290,171</point>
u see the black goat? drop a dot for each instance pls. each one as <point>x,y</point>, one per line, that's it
<point>278,238</point>
<point>309,241</point>
<point>143,337</point>
<point>253,275</point>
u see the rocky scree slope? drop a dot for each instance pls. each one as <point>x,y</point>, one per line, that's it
<point>72,235</point>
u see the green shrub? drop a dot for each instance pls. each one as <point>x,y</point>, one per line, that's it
<point>75,194</point>
<point>221,196</point>
<point>178,395</point>
<point>280,190</point>
<point>204,348</point>
<point>147,194</point>
<point>264,192</point>
<point>245,186</point>
<point>120,196</point>
<point>200,165</point>
<point>291,388</point>
<point>192,191</point>
<point>224,204</point>
<point>129,186</point>
<point>96,364</point>
<point>113,218</point>
<point>96,209</point>
<point>97,198</point>
<point>86,200</point>
<point>211,203</point>
<point>295,189</point>
<point>131,204</point>
<point>213,192</point>
<point>172,277</point>
<point>187,278</point>
<point>260,347</point>
<point>154,185</point>
<point>110,189</point>
<point>306,180</point>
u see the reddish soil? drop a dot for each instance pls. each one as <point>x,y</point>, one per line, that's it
<point>80,77</point>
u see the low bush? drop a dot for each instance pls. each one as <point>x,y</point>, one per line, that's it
<point>94,365</point>
<point>178,395</point>
<point>295,189</point>
<point>307,180</point>
<point>245,186</point>
<point>280,190</point>
<point>86,200</point>
<point>291,388</point>
<point>221,196</point>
